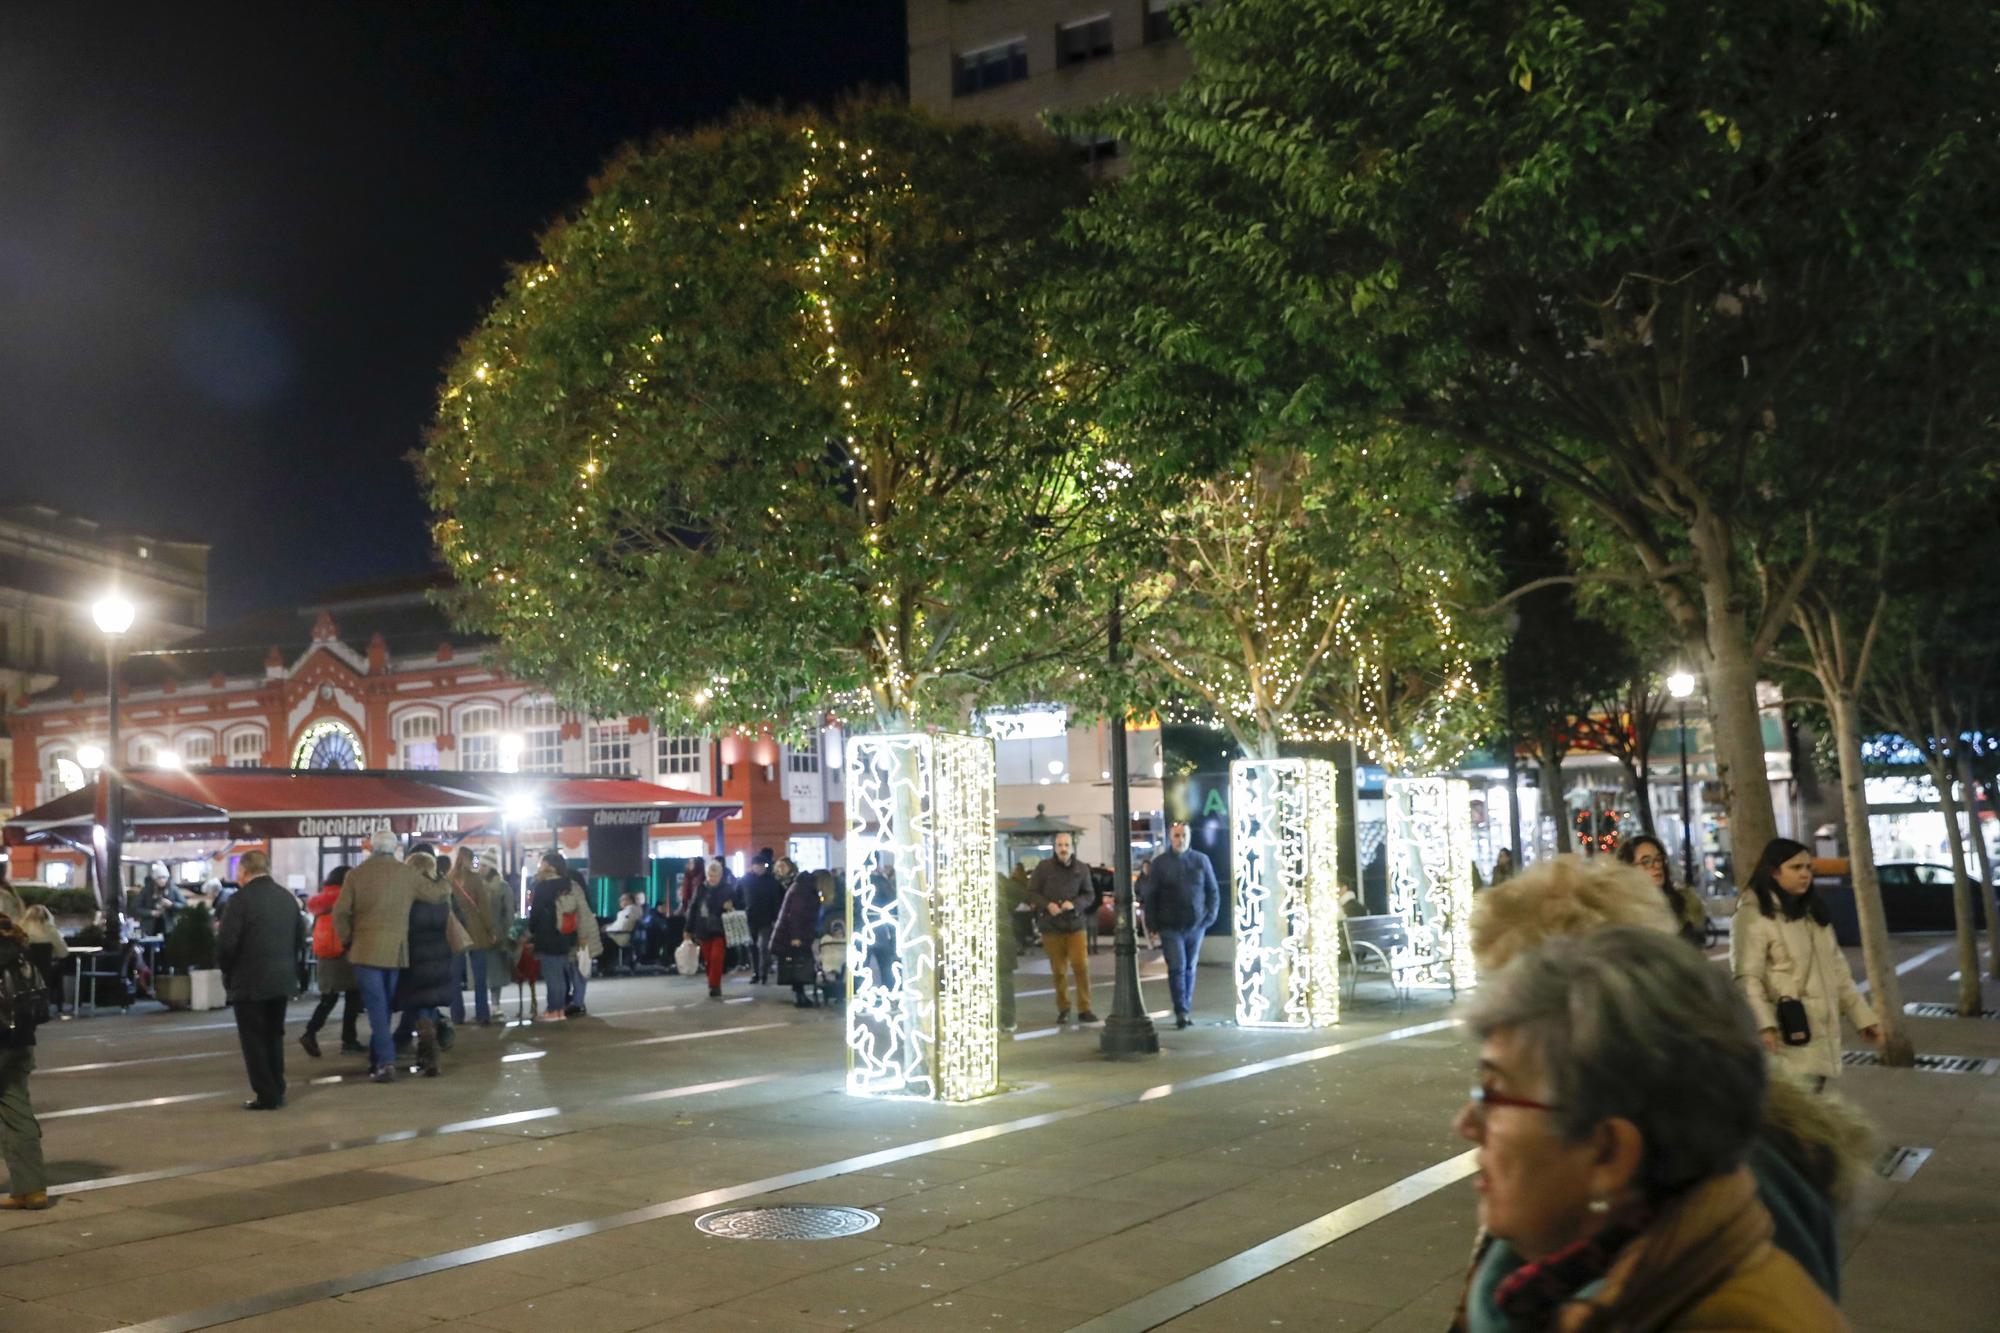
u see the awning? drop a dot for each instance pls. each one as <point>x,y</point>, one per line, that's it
<point>332,803</point>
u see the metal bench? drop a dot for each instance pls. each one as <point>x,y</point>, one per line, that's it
<point>1373,942</point>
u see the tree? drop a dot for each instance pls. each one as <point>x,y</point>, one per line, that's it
<point>1300,597</point>
<point>1599,243</point>
<point>770,429</point>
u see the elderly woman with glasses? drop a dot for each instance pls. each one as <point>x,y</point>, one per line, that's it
<point>1621,1087</point>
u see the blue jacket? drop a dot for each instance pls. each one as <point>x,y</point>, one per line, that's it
<point>1180,892</point>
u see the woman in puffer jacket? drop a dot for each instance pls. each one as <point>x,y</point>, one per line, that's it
<point>428,983</point>
<point>1813,1152</point>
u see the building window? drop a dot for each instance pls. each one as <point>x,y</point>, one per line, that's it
<point>416,740</point>
<point>328,743</point>
<point>479,740</point>
<point>989,67</point>
<point>810,852</point>
<point>610,749</point>
<point>541,737</point>
<point>1086,39</point>
<point>197,749</point>
<point>65,773</point>
<point>803,758</point>
<point>1160,18</point>
<point>145,750</point>
<point>682,756</point>
<point>246,749</point>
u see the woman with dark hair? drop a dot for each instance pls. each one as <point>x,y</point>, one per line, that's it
<point>1790,968</point>
<point>1649,854</point>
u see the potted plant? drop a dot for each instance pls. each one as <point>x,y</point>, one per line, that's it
<point>188,977</point>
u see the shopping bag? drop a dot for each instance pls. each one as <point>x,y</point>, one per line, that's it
<point>687,958</point>
<point>736,928</point>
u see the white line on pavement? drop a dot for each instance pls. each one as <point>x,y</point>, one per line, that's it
<point>1908,965</point>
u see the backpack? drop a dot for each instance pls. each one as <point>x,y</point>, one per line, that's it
<point>24,998</point>
<point>326,940</point>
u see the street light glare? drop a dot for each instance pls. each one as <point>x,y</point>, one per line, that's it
<point>1680,685</point>
<point>90,756</point>
<point>113,613</point>
<point>167,759</point>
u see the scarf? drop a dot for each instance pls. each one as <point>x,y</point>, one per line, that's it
<point>1531,1293</point>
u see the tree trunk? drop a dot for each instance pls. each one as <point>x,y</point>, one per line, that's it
<point>1883,982</point>
<point>1642,794</point>
<point>1969,998</point>
<point>1553,805</point>
<point>1739,740</point>
<point>1982,856</point>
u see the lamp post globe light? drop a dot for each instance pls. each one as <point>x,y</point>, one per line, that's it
<point>114,615</point>
<point>1681,686</point>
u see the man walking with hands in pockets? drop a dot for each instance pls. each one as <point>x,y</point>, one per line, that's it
<point>1060,892</point>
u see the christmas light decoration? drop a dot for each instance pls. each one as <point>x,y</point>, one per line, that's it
<point>1282,854</point>
<point>1430,876</point>
<point>922,1011</point>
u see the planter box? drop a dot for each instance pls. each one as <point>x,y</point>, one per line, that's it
<point>201,989</point>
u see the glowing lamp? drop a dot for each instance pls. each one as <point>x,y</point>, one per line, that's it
<point>90,756</point>
<point>113,613</point>
<point>1680,685</point>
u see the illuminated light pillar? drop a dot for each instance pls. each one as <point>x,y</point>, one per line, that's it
<point>922,1012</point>
<point>1430,876</point>
<point>1283,862</point>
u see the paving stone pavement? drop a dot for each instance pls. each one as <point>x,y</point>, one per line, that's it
<point>580,1155</point>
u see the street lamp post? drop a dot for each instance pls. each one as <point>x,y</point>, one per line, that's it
<point>114,616</point>
<point>1128,1033</point>
<point>1681,685</point>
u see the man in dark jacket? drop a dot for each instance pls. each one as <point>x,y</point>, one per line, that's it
<point>20,1133</point>
<point>1181,900</point>
<point>1061,893</point>
<point>257,948</point>
<point>763,894</point>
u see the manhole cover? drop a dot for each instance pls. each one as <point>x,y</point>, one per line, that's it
<point>788,1222</point>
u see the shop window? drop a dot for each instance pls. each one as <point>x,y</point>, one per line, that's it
<point>1086,39</point>
<point>1160,18</point>
<point>416,740</point>
<point>989,67</point>
<point>810,852</point>
<point>610,749</point>
<point>1025,761</point>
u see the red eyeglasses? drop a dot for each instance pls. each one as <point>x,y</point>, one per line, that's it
<point>1486,1099</point>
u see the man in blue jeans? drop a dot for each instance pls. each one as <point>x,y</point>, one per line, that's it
<point>1182,900</point>
<point>372,919</point>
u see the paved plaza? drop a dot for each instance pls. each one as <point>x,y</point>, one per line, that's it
<point>552,1178</point>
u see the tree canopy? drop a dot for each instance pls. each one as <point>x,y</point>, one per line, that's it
<point>769,429</point>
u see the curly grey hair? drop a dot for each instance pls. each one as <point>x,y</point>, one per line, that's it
<point>1630,1023</point>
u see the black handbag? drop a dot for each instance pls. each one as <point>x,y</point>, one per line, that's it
<point>1794,1028</point>
<point>796,970</point>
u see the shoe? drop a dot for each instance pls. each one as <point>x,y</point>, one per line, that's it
<point>576,1011</point>
<point>259,1104</point>
<point>554,1016</point>
<point>447,1036</point>
<point>1062,1017</point>
<point>1181,1020</point>
<point>1009,1027</point>
<point>803,1003</point>
<point>382,1074</point>
<point>427,1048</point>
<point>486,1022</point>
<point>1086,1017</point>
<point>310,1041</point>
<point>33,1202</point>
<point>352,1048</point>
<point>715,992</point>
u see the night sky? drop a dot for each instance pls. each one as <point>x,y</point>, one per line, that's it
<point>237,243</point>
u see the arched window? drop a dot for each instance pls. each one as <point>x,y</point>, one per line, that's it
<point>540,725</point>
<point>328,743</point>
<point>197,749</point>
<point>416,739</point>
<point>145,750</point>
<point>479,739</point>
<point>62,773</point>
<point>246,748</point>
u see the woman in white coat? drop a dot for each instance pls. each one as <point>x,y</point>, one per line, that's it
<point>1781,947</point>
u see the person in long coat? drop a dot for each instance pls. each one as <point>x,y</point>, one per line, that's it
<point>372,919</point>
<point>793,934</point>
<point>428,982</point>
<point>258,948</point>
<point>481,900</point>
<point>336,979</point>
<point>1781,946</point>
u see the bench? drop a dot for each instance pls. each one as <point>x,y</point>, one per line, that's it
<point>1373,942</point>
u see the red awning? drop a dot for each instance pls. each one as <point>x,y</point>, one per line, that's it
<point>330,803</point>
